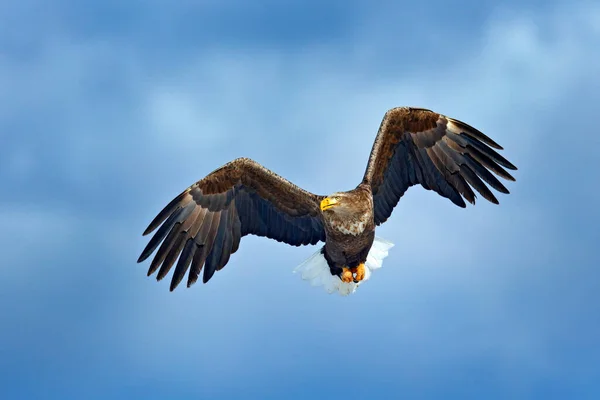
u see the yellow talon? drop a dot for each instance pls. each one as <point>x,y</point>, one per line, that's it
<point>346,275</point>
<point>359,272</point>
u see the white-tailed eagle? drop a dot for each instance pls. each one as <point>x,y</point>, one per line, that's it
<point>202,227</point>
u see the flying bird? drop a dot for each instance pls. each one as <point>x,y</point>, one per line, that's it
<point>202,227</point>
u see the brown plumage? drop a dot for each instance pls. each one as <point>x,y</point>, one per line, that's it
<point>202,227</point>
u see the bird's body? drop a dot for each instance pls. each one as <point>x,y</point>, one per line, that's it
<point>203,226</point>
<point>349,230</point>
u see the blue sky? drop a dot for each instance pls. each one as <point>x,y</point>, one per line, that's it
<point>109,109</point>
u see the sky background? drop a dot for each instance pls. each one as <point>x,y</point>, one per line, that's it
<point>109,109</point>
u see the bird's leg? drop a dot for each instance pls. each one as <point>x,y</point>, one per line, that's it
<point>358,272</point>
<point>346,275</point>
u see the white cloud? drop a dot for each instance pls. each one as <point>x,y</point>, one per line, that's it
<point>519,74</point>
<point>30,235</point>
<point>187,121</point>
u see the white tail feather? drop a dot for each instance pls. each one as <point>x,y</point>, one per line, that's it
<point>316,270</point>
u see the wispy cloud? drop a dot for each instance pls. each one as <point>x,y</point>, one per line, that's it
<point>99,131</point>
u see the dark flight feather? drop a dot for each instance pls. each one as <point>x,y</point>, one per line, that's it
<point>439,153</point>
<point>203,225</point>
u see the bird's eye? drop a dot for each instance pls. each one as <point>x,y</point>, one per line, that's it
<point>337,197</point>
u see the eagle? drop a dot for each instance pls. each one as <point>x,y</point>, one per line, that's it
<point>202,227</point>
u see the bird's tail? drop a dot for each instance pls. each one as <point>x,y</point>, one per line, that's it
<point>316,270</point>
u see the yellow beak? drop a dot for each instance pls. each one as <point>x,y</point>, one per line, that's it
<point>327,203</point>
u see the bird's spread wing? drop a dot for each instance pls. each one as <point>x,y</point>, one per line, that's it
<point>204,224</point>
<point>418,146</point>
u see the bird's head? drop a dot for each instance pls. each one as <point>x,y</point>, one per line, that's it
<point>337,203</point>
